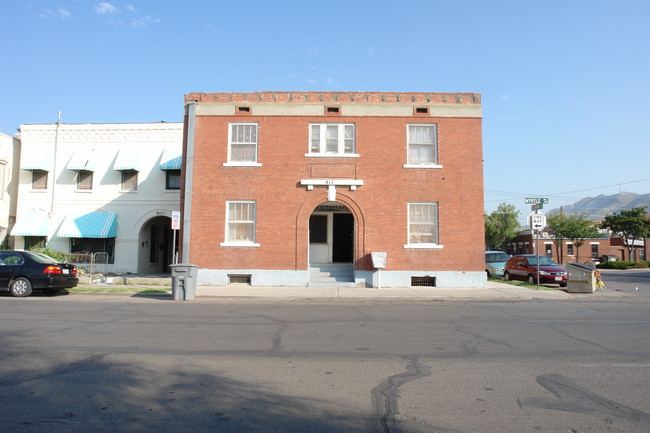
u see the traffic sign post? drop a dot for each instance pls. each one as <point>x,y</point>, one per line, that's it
<point>537,222</point>
<point>533,200</point>
<point>176,225</point>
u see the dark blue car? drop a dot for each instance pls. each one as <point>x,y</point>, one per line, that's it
<point>23,271</point>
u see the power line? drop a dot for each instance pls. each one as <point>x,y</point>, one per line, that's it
<point>559,194</point>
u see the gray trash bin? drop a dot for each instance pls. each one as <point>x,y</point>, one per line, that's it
<point>581,278</point>
<point>183,281</point>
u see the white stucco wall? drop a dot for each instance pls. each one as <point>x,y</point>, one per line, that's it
<point>134,209</point>
<point>9,152</point>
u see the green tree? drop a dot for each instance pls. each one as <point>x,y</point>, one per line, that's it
<point>579,228</point>
<point>631,224</point>
<point>501,226</point>
<point>557,225</point>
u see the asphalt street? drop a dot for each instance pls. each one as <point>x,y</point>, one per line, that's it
<point>118,363</point>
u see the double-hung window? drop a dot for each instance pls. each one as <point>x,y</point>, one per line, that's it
<point>242,144</point>
<point>422,225</point>
<point>240,223</point>
<point>129,180</point>
<point>331,139</point>
<point>422,142</point>
<point>172,180</point>
<point>39,179</point>
<point>84,180</point>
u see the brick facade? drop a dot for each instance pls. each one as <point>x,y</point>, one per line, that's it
<point>284,183</point>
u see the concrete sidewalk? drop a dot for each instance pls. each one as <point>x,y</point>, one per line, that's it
<point>494,290</point>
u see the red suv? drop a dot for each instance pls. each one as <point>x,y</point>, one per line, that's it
<point>524,267</point>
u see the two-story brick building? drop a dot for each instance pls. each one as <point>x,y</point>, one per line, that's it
<point>290,188</point>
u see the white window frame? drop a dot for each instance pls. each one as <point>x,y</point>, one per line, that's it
<point>83,175</point>
<point>253,163</point>
<point>37,180</point>
<point>436,225</point>
<point>573,249</point>
<point>123,183</point>
<point>340,143</point>
<point>239,242</point>
<point>409,163</point>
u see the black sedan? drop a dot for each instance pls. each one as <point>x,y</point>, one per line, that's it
<point>23,271</point>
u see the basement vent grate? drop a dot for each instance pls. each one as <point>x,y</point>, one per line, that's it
<point>423,281</point>
<point>239,279</point>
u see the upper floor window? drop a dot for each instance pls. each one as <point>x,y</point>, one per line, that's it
<point>84,180</point>
<point>332,139</point>
<point>242,143</point>
<point>172,179</point>
<point>422,144</point>
<point>422,225</point>
<point>129,180</point>
<point>39,179</point>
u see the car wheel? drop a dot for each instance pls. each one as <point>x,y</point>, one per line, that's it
<point>531,279</point>
<point>506,276</point>
<point>563,284</point>
<point>21,287</point>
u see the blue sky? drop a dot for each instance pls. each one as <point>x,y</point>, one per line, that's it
<point>564,83</point>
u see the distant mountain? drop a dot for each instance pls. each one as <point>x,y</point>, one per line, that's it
<point>598,207</point>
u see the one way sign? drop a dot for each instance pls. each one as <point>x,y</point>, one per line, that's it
<point>537,221</point>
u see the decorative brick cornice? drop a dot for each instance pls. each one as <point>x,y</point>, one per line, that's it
<point>338,97</point>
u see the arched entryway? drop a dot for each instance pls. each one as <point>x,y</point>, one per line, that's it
<point>331,234</point>
<point>155,246</point>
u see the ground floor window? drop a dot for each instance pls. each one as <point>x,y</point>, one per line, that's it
<point>569,250</point>
<point>240,222</point>
<point>594,251</point>
<point>423,223</point>
<point>32,242</point>
<point>96,246</point>
<point>549,251</point>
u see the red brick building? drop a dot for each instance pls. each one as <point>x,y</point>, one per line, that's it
<point>299,188</point>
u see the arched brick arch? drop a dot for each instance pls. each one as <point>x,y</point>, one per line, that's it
<point>302,227</point>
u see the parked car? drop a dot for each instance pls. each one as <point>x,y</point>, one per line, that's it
<point>23,271</point>
<point>524,267</point>
<point>495,262</point>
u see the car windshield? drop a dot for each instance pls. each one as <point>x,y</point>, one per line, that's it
<point>496,257</point>
<point>543,261</point>
<point>42,258</point>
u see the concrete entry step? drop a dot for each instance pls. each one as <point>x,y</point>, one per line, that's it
<point>331,274</point>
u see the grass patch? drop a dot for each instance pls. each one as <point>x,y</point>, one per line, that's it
<point>525,284</point>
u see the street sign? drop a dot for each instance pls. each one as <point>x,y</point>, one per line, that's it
<point>176,220</point>
<point>537,220</point>
<point>532,200</point>
<point>537,206</point>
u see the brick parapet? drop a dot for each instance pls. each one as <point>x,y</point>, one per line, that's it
<point>338,97</point>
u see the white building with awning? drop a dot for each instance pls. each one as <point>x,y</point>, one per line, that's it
<point>106,189</point>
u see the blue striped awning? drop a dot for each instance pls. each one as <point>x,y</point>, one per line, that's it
<point>90,225</point>
<point>127,159</point>
<point>36,158</point>
<point>82,160</point>
<point>171,159</point>
<point>31,224</point>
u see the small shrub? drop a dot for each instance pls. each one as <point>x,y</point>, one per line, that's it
<point>56,255</point>
<point>623,264</point>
